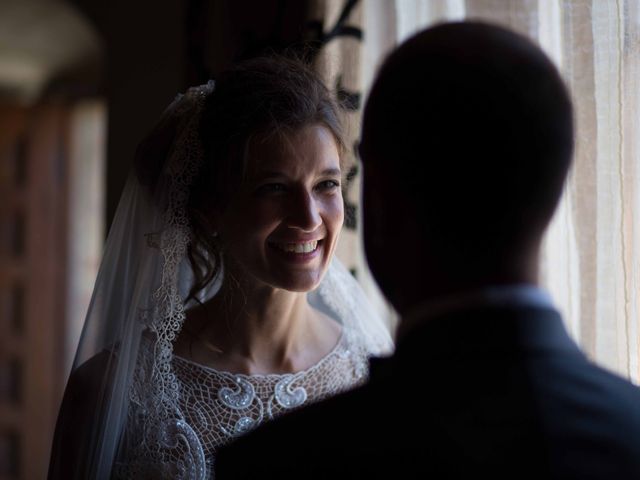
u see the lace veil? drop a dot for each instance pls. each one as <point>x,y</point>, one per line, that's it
<point>138,308</point>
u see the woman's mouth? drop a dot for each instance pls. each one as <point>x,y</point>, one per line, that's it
<point>305,247</point>
<point>298,251</point>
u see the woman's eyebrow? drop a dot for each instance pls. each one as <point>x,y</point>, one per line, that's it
<point>331,171</point>
<point>280,173</point>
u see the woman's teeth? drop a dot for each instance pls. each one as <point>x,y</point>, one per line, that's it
<point>297,247</point>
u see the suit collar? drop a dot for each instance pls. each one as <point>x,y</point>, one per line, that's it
<point>512,295</point>
<point>490,328</point>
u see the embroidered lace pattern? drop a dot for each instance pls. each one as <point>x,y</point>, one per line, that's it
<point>218,406</point>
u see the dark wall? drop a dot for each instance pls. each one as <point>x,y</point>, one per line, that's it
<point>232,30</point>
<point>154,50</point>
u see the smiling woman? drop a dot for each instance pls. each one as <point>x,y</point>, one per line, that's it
<point>292,210</point>
<point>219,304</point>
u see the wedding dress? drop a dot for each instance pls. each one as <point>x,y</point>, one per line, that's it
<point>155,414</point>
<point>218,406</point>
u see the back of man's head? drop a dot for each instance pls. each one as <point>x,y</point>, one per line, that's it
<point>471,127</point>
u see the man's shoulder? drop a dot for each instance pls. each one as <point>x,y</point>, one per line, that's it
<point>576,386</point>
<point>308,434</point>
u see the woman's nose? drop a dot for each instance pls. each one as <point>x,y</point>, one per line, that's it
<point>304,212</point>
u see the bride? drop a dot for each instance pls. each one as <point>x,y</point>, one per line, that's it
<point>219,304</point>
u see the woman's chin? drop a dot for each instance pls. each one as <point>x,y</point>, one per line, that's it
<point>300,282</point>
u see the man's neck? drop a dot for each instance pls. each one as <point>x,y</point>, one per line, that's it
<point>440,280</point>
<point>500,295</point>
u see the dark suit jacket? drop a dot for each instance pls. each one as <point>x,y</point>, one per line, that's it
<point>486,393</point>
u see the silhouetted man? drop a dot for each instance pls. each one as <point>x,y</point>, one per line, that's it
<point>467,140</point>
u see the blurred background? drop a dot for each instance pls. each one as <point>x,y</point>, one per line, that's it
<point>81,82</point>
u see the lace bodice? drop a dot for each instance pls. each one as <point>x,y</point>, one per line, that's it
<point>218,406</point>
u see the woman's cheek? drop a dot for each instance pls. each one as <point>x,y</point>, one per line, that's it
<point>334,206</point>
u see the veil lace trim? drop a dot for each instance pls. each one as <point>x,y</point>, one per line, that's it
<point>168,440</point>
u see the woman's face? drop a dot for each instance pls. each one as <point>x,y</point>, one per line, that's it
<point>282,226</point>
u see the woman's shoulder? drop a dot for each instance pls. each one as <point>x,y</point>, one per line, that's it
<point>93,374</point>
<point>78,413</point>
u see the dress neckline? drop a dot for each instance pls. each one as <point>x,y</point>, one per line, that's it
<point>268,376</point>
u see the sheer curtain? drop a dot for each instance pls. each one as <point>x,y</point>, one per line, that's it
<point>591,255</point>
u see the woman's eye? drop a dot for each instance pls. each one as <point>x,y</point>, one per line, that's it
<point>328,185</point>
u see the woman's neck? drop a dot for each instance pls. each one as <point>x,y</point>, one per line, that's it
<point>259,330</point>
<point>262,318</point>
